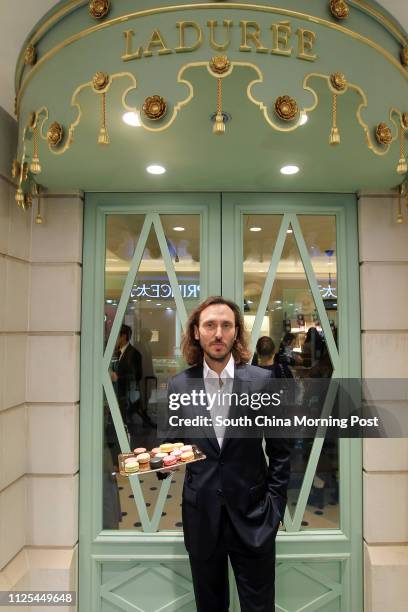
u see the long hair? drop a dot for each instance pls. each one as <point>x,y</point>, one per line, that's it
<point>191,349</point>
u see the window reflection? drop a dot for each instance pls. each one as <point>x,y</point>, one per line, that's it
<point>291,342</point>
<point>147,350</point>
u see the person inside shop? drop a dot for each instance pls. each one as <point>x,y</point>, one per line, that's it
<point>234,500</point>
<point>286,357</point>
<point>126,376</point>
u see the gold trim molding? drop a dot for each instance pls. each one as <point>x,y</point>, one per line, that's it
<point>380,151</point>
<point>213,6</point>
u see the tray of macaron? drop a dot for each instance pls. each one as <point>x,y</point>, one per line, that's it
<point>167,455</point>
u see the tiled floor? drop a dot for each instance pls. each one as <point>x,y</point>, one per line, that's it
<point>325,517</point>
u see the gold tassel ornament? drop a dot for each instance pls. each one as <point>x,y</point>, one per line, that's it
<point>334,133</point>
<point>219,125</point>
<point>35,166</point>
<point>37,194</point>
<point>402,167</point>
<point>400,218</point>
<point>103,138</point>
<point>20,196</point>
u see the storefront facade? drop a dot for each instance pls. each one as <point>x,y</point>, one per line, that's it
<point>208,86</point>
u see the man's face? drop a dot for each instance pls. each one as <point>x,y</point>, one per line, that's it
<point>216,331</point>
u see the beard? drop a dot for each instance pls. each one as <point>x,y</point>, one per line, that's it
<point>218,356</point>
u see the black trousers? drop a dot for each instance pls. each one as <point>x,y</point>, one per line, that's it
<point>254,575</point>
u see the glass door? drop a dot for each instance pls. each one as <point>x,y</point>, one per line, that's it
<point>149,259</point>
<point>294,265</point>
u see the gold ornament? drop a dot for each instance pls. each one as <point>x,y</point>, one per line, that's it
<point>103,138</point>
<point>35,166</point>
<point>24,172</point>
<point>334,132</point>
<point>37,194</point>
<point>405,120</point>
<point>55,134</point>
<point>99,8</point>
<point>402,167</point>
<point>19,196</point>
<point>15,169</point>
<point>100,81</point>
<point>404,55</point>
<point>28,201</point>
<point>338,81</point>
<point>30,55</point>
<point>339,9</point>
<point>219,125</point>
<point>286,108</point>
<point>383,134</point>
<point>220,64</point>
<point>154,107</point>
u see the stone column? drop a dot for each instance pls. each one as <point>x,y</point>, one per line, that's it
<point>384,322</point>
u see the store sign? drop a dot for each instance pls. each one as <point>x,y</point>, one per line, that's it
<point>164,290</point>
<point>276,39</point>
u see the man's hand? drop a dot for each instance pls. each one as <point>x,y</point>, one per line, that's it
<point>114,376</point>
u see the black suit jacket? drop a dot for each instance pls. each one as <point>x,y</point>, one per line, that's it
<point>236,475</point>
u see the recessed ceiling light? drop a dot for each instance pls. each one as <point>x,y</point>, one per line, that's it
<point>303,118</point>
<point>148,300</point>
<point>132,119</point>
<point>178,228</point>
<point>155,169</point>
<point>255,229</point>
<point>158,304</point>
<point>289,231</point>
<point>289,169</point>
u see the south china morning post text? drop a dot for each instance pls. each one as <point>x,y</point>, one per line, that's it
<point>291,409</point>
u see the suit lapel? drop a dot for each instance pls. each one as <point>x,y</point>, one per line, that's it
<point>198,384</point>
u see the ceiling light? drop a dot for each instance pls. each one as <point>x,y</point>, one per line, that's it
<point>255,229</point>
<point>158,304</point>
<point>289,169</point>
<point>148,300</point>
<point>289,231</point>
<point>155,169</point>
<point>303,118</point>
<point>178,228</point>
<point>132,119</point>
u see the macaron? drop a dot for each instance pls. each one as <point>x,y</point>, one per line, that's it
<point>169,460</point>
<point>166,448</point>
<point>131,465</point>
<point>178,444</point>
<point>161,455</point>
<point>156,462</point>
<point>187,456</point>
<point>143,458</point>
<point>154,451</point>
<point>140,450</point>
<point>186,447</point>
<point>176,452</point>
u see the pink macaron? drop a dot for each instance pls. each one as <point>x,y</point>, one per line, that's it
<point>186,448</point>
<point>176,453</point>
<point>169,460</point>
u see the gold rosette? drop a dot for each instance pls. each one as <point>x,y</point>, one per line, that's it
<point>55,134</point>
<point>100,81</point>
<point>339,9</point>
<point>98,9</point>
<point>383,134</point>
<point>220,64</point>
<point>154,107</point>
<point>286,108</point>
<point>338,81</point>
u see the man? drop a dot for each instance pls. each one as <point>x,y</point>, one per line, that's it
<point>127,375</point>
<point>233,501</point>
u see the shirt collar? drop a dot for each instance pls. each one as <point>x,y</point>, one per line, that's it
<point>227,372</point>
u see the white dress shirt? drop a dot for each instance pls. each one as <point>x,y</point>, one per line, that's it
<point>223,383</point>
